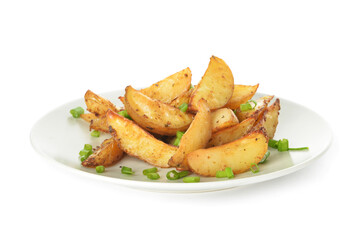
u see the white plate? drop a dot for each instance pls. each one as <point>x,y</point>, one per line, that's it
<point>59,137</point>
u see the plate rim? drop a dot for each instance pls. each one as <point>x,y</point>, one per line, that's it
<point>187,187</point>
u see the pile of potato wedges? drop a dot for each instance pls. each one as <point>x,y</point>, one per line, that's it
<point>216,132</point>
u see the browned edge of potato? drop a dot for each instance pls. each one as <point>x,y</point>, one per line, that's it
<point>241,94</point>
<point>239,155</point>
<point>136,142</point>
<point>216,86</point>
<point>171,87</point>
<point>97,104</point>
<point>232,133</point>
<point>107,154</point>
<point>155,116</point>
<point>257,111</point>
<point>183,98</point>
<point>196,137</point>
<point>270,119</point>
<point>223,118</point>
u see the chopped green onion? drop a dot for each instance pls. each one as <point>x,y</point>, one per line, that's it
<point>85,152</point>
<point>95,133</point>
<point>87,147</point>
<point>221,174</point>
<point>283,145</point>
<point>76,112</point>
<point>267,154</point>
<point>183,107</point>
<point>125,114</point>
<point>179,134</point>
<point>191,86</point>
<point>245,107</point>
<point>172,175</point>
<point>234,111</point>
<point>191,179</point>
<point>153,176</point>
<point>183,174</point>
<point>299,149</point>
<point>273,143</point>
<point>229,172</point>
<point>83,158</point>
<point>256,169</point>
<point>100,169</point>
<point>176,142</point>
<point>150,170</point>
<point>255,103</point>
<point>126,170</point>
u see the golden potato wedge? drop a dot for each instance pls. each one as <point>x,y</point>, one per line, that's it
<point>183,98</point>
<point>196,137</point>
<point>98,105</point>
<point>223,118</point>
<point>241,94</point>
<point>108,154</point>
<point>99,124</point>
<point>232,133</point>
<point>136,142</point>
<point>269,120</point>
<point>239,155</point>
<point>170,88</point>
<point>216,86</point>
<point>88,117</point>
<point>257,111</point>
<point>155,116</point>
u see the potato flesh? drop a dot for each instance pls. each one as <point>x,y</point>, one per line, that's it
<point>155,116</point>
<point>170,88</point>
<point>196,137</point>
<point>183,98</point>
<point>216,86</point>
<point>232,133</point>
<point>239,155</point>
<point>269,120</point>
<point>223,118</point>
<point>108,154</point>
<point>257,111</point>
<point>137,142</point>
<point>97,104</point>
<point>241,94</point>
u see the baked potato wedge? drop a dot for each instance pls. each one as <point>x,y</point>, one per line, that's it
<point>136,142</point>
<point>97,104</point>
<point>155,116</point>
<point>99,124</point>
<point>170,88</point>
<point>223,118</point>
<point>196,137</point>
<point>232,133</point>
<point>107,154</point>
<point>88,117</point>
<point>269,120</point>
<point>216,86</point>
<point>241,94</point>
<point>183,98</point>
<point>261,105</point>
<point>239,155</point>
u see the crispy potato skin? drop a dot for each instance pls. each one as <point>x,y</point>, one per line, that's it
<point>88,117</point>
<point>98,105</point>
<point>137,142</point>
<point>232,133</point>
<point>216,86</point>
<point>108,154</point>
<point>169,88</point>
<point>223,118</point>
<point>270,119</point>
<point>257,111</point>
<point>241,94</point>
<point>155,116</point>
<point>196,137</point>
<point>239,155</point>
<point>99,124</point>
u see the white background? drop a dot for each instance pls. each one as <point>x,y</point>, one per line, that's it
<point>51,52</point>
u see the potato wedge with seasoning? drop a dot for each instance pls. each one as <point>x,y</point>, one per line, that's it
<point>108,154</point>
<point>261,105</point>
<point>239,155</point>
<point>97,104</point>
<point>155,116</point>
<point>170,88</point>
<point>216,86</point>
<point>269,120</point>
<point>136,142</point>
<point>183,98</point>
<point>223,118</point>
<point>241,94</point>
<point>232,133</point>
<point>96,123</point>
<point>196,137</point>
